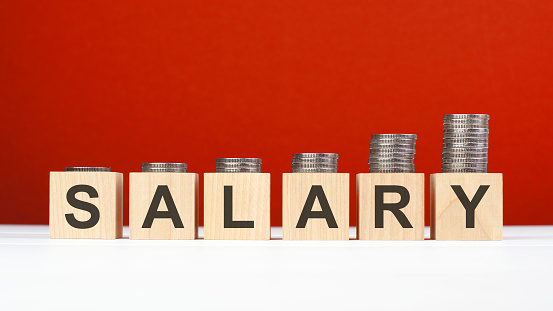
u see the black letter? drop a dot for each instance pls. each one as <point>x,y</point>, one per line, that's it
<point>85,206</point>
<point>316,192</point>
<point>229,223</point>
<point>162,191</point>
<point>380,206</point>
<point>469,205</point>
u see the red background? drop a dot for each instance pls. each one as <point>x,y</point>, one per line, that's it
<point>118,83</point>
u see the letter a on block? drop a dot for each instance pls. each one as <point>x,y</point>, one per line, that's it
<point>162,192</point>
<point>315,206</point>
<point>316,192</point>
<point>163,206</point>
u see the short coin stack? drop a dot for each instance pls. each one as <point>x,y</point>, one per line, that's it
<point>392,153</point>
<point>465,147</point>
<point>87,169</point>
<point>164,167</point>
<point>238,165</point>
<point>315,163</point>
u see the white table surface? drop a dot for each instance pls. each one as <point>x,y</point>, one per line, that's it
<point>39,273</point>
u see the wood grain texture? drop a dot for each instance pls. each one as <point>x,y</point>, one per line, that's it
<point>109,202</point>
<point>392,229</point>
<point>251,201</point>
<point>184,191</point>
<point>295,190</point>
<point>448,216</point>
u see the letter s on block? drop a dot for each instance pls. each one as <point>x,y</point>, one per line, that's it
<point>85,206</point>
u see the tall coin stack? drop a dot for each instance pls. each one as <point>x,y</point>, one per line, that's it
<point>465,147</point>
<point>392,153</point>
<point>164,167</point>
<point>238,165</point>
<point>315,163</point>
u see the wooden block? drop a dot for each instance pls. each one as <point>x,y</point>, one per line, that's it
<point>163,206</point>
<point>315,206</point>
<point>466,206</point>
<point>237,206</point>
<point>86,205</point>
<point>390,206</point>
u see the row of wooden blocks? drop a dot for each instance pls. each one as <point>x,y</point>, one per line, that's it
<point>315,206</point>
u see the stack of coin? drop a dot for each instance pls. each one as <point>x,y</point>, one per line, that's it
<point>465,147</point>
<point>315,163</point>
<point>87,169</point>
<point>238,165</point>
<point>392,153</point>
<point>164,167</point>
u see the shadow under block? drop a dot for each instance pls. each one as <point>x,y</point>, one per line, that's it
<point>163,206</point>
<point>311,192</point>
<point>450,220</point>
<point>244,199</point>
<point>405,198</point>
<point>86,205</point>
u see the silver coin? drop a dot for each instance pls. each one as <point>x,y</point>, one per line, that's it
<point>465,126</point>
<point>315,155</point>
<point>392,146</point>
<point>465,150</point>
<point>465,140</point>
<point>377,156</point>
<point>315,160</point>
<point>315,163</point>
<point>387,164</point>
<point>393,141</point>
<point>164,165</point>
<point>392,153</point>
<point>237,170</point>
<point>235,167</point>
<point>87,169</point>
<point>465,145</point>
<point>238,165</point>
<point>238,160</point>
<point>464,165</point>
<point>464,160</point>
<point>467,116</point>
<point>328,165</point>
<point>160,167</point>
<point>391,170</point>
<point>164,170</point>
<point>314,170</point>
<point>394,150</point>
<point>466,121</point>
<point>392,136</point>
<point>459,131</point>
<point>395,165</point>
<point>390,160</point>
<point>223,169</point>
<point>466,135</point>
<point>464,155</point>
<point>465,170</point>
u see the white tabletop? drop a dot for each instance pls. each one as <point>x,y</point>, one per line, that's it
<point>39,273</point>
